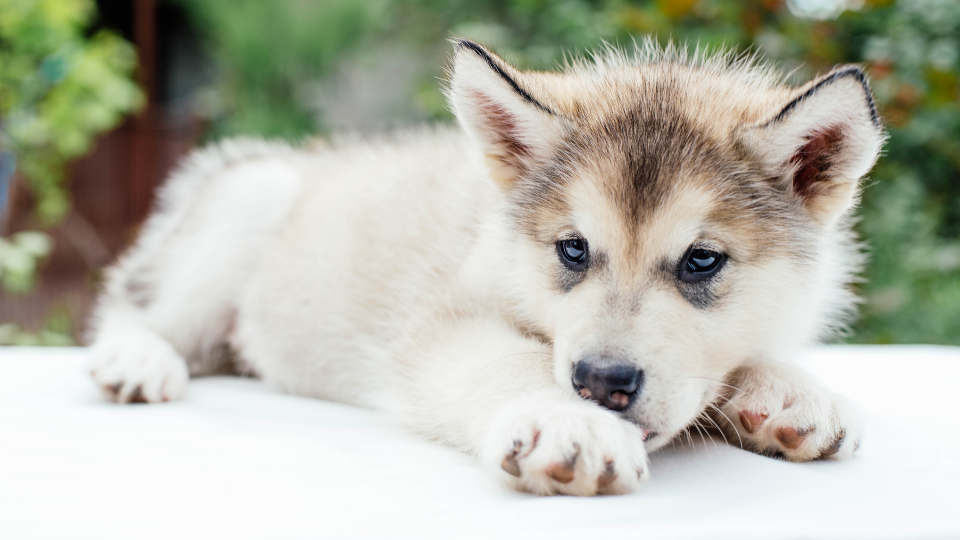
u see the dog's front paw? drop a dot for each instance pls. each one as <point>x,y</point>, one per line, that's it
<point>137,366</point>
<point>566,448</point>
<point>793,419</point>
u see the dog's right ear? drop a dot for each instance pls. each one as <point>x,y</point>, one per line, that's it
<point>819,143</point>
<point>491,99</point>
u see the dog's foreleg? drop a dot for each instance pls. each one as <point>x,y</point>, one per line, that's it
<point>779,410</point>
<point>132,363</point>
<point>170,303</point>
<point>479,385</point>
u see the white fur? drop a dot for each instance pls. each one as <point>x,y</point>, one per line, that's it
<point>390,274</point>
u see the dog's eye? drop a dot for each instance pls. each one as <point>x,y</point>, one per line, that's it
<point>573,253</point>
<point>700,264</point>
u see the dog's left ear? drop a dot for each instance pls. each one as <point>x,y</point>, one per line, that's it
<point>821,142</point>
<point>497,106</point>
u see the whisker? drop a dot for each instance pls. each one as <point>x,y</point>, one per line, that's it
<point>703,436</point>
<point>720,429</point>
<point>689,438</point>
<point>697,427</point>
<point>735,430</point>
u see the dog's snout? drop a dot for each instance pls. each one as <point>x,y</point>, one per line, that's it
<point>611,382</point>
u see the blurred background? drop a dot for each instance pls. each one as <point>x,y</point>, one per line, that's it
<point>100,99</point>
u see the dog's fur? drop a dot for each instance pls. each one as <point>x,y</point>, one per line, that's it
<point>419,274</point>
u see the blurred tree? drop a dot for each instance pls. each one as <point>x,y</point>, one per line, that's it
<point>911,215</point>
<point>59,88</point>
<point>269,53</point>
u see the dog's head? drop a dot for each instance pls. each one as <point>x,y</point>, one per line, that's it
<point>671,218</point>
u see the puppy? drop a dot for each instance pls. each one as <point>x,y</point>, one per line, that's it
<point>600,260</point>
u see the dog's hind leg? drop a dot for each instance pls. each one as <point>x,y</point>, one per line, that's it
<point>170,302</point>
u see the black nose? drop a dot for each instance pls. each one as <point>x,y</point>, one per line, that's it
<point>611,382</point>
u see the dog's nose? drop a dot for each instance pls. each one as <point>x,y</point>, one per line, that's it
<point>611,382</point>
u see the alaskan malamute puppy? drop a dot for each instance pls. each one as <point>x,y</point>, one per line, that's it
<point>602,258</point>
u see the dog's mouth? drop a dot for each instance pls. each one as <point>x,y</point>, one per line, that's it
<point>647,433</point>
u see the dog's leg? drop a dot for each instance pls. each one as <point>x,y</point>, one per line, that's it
<point>485,389</point>
<point>781,411</point>
<point>170,302</point>
<point>157,323</point>
<point>132,363</point>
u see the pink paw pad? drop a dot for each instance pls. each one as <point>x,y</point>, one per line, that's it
<point>791,438</point>
<point>752,421</point>
<point>564,472</point>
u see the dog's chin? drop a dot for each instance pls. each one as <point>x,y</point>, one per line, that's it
<point>655,435</point>
<point>658,440</point>
<point>652,437</point>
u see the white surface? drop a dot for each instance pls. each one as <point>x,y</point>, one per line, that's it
<point>237,461</point>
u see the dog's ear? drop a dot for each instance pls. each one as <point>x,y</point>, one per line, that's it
<point>490,98</point>
<point>821,142</point>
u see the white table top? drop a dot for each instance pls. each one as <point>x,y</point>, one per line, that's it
<point>234,460</point>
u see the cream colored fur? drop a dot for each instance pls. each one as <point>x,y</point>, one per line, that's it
<point>413,273</point>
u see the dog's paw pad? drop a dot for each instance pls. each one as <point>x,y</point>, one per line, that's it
<point>564,471</point>
<point>791,438</point>
<point>752,421</point>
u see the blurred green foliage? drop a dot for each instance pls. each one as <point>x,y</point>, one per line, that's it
<point>18,259</point>
<point>270,52</point>
<point>57,331</point>
<point>911,210</point>
<point>59,88</point>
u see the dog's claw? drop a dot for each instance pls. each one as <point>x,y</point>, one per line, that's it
<point>835,446</point>
<point>137,395</point>
<point>608,476</point>
<point>509,462</point>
